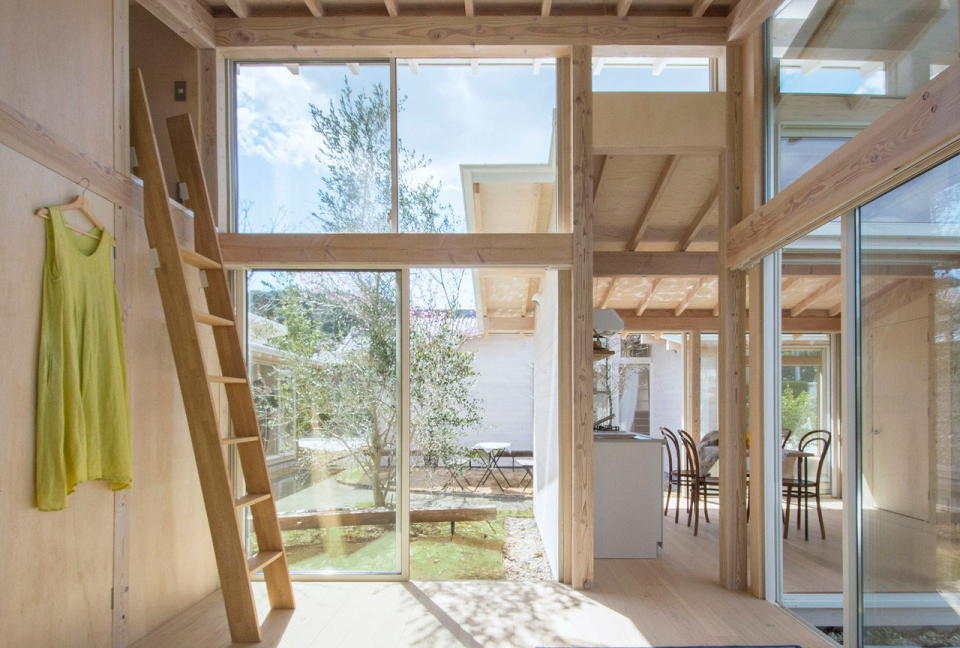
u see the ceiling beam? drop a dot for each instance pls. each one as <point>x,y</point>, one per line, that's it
<point>393,250</point>
<point>604,303</point>
<point>748,16</point>
<point>698,222</point>
<point>648,298</point>
<point>509,324</point>
<point>700,7</point>
<point>440,31</point>
<point>185,17</point>
<point>704,322</point>
<point>240,8</point>
<point>392,8</point>
<point>667,264</point>
<point>797,309</point>
<point>921,131</point>
<point>468,8</point>
<point>691,293</point>
<point>545,7</point>
<point>643,222</point>
<point>315,7</point>
<point>623,7</point>
<point>808,30</point>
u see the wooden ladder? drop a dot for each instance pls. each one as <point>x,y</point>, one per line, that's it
<point>196,382</point>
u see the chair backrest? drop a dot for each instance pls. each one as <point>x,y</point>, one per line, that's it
<point>671,440</point>
<point>693,457</point>
<point>787,433</point>
<point>812,438</point>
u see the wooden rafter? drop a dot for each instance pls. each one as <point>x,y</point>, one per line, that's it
<point>545,7</point>
<point>185,17</point>
<point>688,264</point>
<point>698,222</point>
<point>836,309</point>
<point>804,304</point>
<point>251,34</point>
<point>691,293</point>
<point>468,8</point>
<point>748,15</point>
<point>605,303</point>
<point>599,164</point>
<point>240,8</point>
<point>809,29</point>
<point>623,7</point>
<point>704,322</point>
<point>643,222</point>
<point>645,302</point>
<point>315,7</point>
<point>392,7</point>
<point>700,7</point>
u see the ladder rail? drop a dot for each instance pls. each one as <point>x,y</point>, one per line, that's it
<point>234,566</point>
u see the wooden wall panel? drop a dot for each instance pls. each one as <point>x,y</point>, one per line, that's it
<point>59,70</point>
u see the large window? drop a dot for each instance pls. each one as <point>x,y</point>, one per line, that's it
<point>440,146</point>
<point>650,74</point>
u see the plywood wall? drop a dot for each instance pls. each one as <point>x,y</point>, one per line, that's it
<point>58,569</point>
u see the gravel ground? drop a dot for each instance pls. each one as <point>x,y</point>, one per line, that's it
<point>523,556</point>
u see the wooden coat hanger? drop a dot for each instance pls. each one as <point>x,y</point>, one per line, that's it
<point>81,205</point>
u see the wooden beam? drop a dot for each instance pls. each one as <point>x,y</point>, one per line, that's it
<point>468,8</point>
<point>700,7</point>
<point>731,343</point>
<point>545,7</point>
<point>440,31</point>
<point>747,17</point>
<point>62,156</point>
<point>691,293</point>
<point>642,306</point>
<point>315,7</point>
<point>921,131</point>
<point>495,324</point>
<point>673,123</point>
<point>623,7</point>
<point>606,297</point>
<point>392,8</point>
<point>698,222</point>
<point>811,25</point>
<point>705,322</point>
<point>396,250</point>
<point>582,149</point>
<point>643,221</point>
<point>240,8</point>
<point>691,370</point>
<point>666,264</point>
<point>804,304</point>
<point>186,17</point>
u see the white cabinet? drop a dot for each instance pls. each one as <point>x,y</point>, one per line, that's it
<point>627,496</point>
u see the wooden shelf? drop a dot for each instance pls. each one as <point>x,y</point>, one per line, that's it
<point>601,354</point>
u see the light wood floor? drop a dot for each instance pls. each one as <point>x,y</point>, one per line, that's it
<point>673,601</point>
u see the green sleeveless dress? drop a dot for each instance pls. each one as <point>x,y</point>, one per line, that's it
<point>83,419</point>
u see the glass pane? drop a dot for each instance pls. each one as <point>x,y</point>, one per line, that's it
<point>812,526</point>
<point>476,145</point>
<point>313,147</point>
<point>323,352</point>
<point>649,74</point>
<point>483,436</point>
<point>910,389</point>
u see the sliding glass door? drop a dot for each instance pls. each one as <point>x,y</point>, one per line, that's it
<point>909,432</point>
<point>324,351</point>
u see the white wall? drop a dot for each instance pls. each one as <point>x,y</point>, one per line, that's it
<point>666,388</point>
<point>505,384</point>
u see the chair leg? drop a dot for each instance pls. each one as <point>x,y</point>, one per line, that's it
<point>676,516</point>
<point>690,499</point>
<point>823,531</point>
<point>666,509</point>
<point>706,500</point>
<point>696,505</point>
<point>799,497</point>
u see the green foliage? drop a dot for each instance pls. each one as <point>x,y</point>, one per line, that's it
<point>797,410</point>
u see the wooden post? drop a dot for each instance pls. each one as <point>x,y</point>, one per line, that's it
<point>691,369</point>
<point>731,352</point>
<point>582,286</point>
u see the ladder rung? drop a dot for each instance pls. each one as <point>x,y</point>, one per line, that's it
<point>212,320</point>
<point>251,498</point>
<point>241,439</point>
<point>197,260</point>
<point>226,380</point>
<point>261,560</point>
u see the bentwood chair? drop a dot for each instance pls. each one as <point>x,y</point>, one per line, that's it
<point>802,485</point>
<point>678,475</point>
<point>700,484</point>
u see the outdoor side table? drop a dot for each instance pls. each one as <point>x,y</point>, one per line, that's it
<point>490,452</point>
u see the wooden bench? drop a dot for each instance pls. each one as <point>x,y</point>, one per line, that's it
<point>381,516</point>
